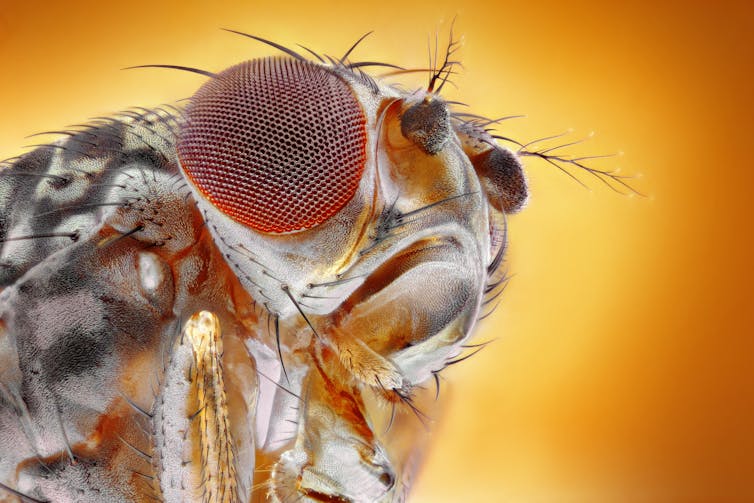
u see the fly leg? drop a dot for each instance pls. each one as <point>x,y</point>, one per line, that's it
<point>203,450</point>
<point>336,456</point>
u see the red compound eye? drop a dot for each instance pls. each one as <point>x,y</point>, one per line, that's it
<point>277,144</point>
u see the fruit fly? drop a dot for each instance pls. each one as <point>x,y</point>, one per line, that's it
<point>244,297</point>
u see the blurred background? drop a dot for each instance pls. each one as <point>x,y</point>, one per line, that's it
<point>621,368</point>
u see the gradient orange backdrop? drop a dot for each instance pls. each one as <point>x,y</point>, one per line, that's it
<point>622,367</point>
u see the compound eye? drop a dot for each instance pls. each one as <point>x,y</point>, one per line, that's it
<point>276,144</point>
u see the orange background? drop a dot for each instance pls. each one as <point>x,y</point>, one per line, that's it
<point>622,369</point>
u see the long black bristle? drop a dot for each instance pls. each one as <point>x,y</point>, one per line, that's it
<point>176,67</point>
<point>282,48</point>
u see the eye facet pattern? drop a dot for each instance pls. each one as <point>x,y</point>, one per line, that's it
<point>276,144</point>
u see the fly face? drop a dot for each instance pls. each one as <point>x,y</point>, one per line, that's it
<point>354,207</point>
<point>363,211</point>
